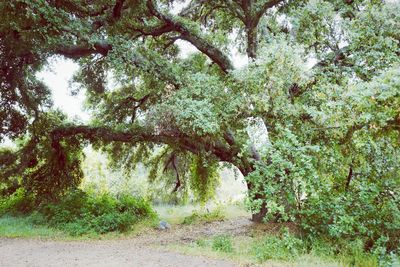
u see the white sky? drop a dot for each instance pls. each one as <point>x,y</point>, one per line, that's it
<point>57,76</point>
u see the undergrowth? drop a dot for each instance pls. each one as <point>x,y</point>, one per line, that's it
<point>80,213</point>
<point>204,216</point>
<point>284,247</point>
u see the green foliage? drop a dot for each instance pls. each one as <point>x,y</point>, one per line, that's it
<point>18,202</point>
<point>364,212</point>
<point>286,248</point>
<point>278,248</point>
<point>204,216</point>
<point>79,213</point>
<point>204,178</point>
<point>285,179</point>
<point>289,247</point>
<point>222,243</point>
<point>44,167</point>
<point>322,75</point>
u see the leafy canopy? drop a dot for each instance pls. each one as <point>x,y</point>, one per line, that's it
<point>322,75</point>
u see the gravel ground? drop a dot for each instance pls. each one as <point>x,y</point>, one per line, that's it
<point>29,252</point>
<point>132,251</point>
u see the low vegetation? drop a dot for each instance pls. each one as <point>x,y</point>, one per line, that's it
<point>202,216</point>
<point>288,249</point>
<point>79,213</point>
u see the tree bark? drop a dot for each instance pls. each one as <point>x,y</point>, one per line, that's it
<point>259,217</point>
<point>251,42</point>
<point>246,168</point>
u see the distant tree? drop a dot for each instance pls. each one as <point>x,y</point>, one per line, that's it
<point>333,125</point>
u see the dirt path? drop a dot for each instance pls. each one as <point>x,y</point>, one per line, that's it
<point>20,252</point>
<point>133,251</point>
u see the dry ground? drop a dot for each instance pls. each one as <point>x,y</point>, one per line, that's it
<point>145,249</point>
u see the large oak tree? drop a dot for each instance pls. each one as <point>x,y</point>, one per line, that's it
<point>322,75</point>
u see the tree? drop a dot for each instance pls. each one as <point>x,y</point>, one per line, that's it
<point>194,111</point>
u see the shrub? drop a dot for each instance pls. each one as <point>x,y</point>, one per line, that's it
<point>18,202</point>
<point>79,213</point>
<point>284,247</point>
<point>364,213</point>
<point>198,216</point>
<point>222,243</point>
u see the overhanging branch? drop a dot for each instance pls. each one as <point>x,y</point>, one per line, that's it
<point>79,51</point>
<point>191,144</point>
<point>200,43</point>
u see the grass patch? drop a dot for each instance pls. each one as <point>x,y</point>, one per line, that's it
<point>178,214</point>
<point>24,226</point>
<point>76,214</point>
<point>285,249</point>
<point>222,243</point>
<point>204,216</point>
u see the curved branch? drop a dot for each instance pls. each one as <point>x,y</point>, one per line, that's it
<point>194,145</point>
<point>79,51</point>
<point>264,8</point>
<point>200,43</point>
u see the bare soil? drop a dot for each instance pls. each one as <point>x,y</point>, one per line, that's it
<point>20,252</point>
<point>145,249</point>
<point>142,250</point>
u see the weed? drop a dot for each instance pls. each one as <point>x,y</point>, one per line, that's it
<point>222,243</point>
<point>198,217</point>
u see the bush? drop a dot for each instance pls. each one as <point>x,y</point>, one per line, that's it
<point>364,213</point>
<point>222,243</point>
<point>284,247</point>
<point>18,202</point>
<point>197,217</point>
<point>79,213</point>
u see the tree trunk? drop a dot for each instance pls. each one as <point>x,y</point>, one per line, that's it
<point>251,42</point>
<point>259,216</point>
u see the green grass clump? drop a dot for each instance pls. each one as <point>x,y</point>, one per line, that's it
<point>284,247</point>
<point>222,243</point>
<point>25,226</point>
<point>204,217</point>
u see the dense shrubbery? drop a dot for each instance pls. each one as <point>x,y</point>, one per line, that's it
<point>303,251</point>
<point>284,247</point>
<point>364,214</point>
<point>79,213</point>
<point>18,202</point>
<point>289,247</point>
<point>332,194</point>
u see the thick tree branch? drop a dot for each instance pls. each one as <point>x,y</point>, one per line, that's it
<point>79,51</point>
<point>251,20</point>
<point>264,8</point>
<point>194,145</point>
<point>117,10</point>
<point>235,8</point>
<point>200,43</point>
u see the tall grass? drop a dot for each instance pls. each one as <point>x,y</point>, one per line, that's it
<point>25,226</point>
